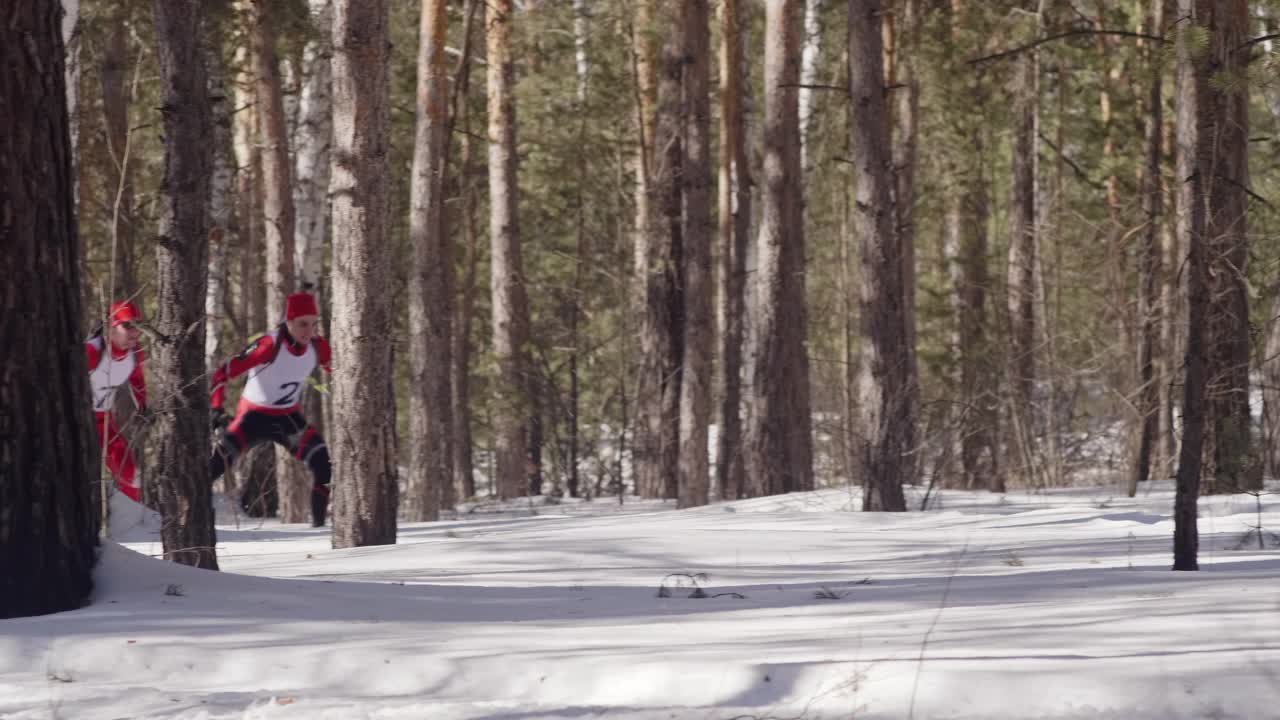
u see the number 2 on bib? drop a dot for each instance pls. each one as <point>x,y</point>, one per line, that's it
<point>290,393</point>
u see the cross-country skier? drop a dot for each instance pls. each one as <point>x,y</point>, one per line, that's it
<point>114,359</point>
<point>278,364</point>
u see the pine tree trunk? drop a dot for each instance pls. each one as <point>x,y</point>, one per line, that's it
<point>1225,168</point>
<point>1022,245</point>
<point>464,483</point>
<point>181,393</point>
<point>581,16</point>
<point>699,322</point>
<point>366,494</point>
<point>115,114</point>
<point>1192,85</point>
<point>887,423</point>
<point>510,306</point>
<point>1149,268</point>
<point>47,451</point>
<point>431,280</point>
<point>662,332</point>
<point>778,439</point>
<point>735,228</point>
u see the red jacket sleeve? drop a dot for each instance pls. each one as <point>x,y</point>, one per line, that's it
<point>137,382</point>
<point>323,356</point>
<point>92,354</point>
<point>256,353</point>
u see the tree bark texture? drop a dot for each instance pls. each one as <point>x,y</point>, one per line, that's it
<point>49,529</point>
<point>779,430</point>
<point>884,383</point>
<point>510,304</point>
<point>362,437</point>
<point>699,318</point>
<point>735,228</point>
<point>1192,84</point>
<point>1223,164</point>
<point>661,336</point>
<point>311,150</point>
<point>181,391</point>
<point>1149,267</point>
<point>430,280</point>
<point>464,483</point>
<point>221,200</point>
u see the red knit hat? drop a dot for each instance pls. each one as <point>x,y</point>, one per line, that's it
<point>123,312</point>
<point>300,304</point>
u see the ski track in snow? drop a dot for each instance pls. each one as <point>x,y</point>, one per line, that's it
<point>1031,605</point>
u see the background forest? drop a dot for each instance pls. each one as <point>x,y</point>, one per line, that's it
<point>973,278</point>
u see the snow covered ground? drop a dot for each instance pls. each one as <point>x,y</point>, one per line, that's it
<point>1053,605</point>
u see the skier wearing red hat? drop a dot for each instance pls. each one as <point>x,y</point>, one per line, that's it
<point>115,359</point>
<point>278,364</point>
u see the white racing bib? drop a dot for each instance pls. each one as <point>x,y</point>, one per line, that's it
<point>108,376</point>
<point>278,384</point>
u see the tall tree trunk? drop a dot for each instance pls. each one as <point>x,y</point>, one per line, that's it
<point>1191,118</point>
<point>644,59</point>
<point>810,56</point>
<point>1225,170</point>
<point>1149,269</point>
<point>510,305</point>
<point>363,438</point>
<point>904,115</point>
<point>49,531</point>
<point>581,16</point>
<point>699,320</point>
<point>735,229</point>
<point>464,483</point>
<point>431,279</point>
<point>182,395</point>
<point>1022,261</point>
<point>662,332</point>
<point>884,385</point>
<point>115,112</point>
<point>221,199</point>
<point>779,441</point>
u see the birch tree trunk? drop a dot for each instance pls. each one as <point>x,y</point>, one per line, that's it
<point>699,323</point>
<point>810,56</point>
<point>71,56</point>
<point>311,147</point>
<point>1192,115</point>
<point>431,279</point>
<point>363,438</point>
<point>904,130</point>
<point>181,395</point>
<point>510,306</point>
<point>47,450</point>
<point>779,442</point>
<point>887,424</point>
<point>735,227</point>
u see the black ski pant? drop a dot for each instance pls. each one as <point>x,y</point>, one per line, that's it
<point>291,431</point>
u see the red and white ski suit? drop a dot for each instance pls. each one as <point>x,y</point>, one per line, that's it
<point>107,372</point>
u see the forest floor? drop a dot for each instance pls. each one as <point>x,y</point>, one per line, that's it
<point>1032,605</point>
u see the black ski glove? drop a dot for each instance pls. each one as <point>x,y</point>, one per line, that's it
<point>218,419</point>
